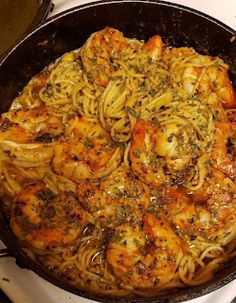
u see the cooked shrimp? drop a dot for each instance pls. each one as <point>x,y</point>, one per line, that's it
<point>187,220</point>
<point>14,132</point>
<point>89,154</point>
<point>216,205</point>
<point>206,213</point>
<point>223,155</point>
<point>144,257</point>
<point>30,125</point>
<point>219,82</point>
<point>144,162</point>
<point>177,205</point>
<point>25,135</point>
<point>115,198</point>
<point>43,220</point>
<point>27,155</point>
<point>213,79</point>
<point>98,51</point>
<point>160,154</point>
<point>201,74</point>
<point>154,47</point>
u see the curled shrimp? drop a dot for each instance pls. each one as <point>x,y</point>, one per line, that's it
<point>113,199</point>
<point>219,83</point>
<point>201,74</point>
<point>89,152</point>
<point>214,80</point>
<point>207,213</point>
<point>97,53</point>
<point>26,136</point>
<point>144,255</point>
<point>215,204</point>
<point>27,155</point>
<point>30,125</point>
<point>223,155</point>
<point>161,154</point>
<point>178,207</point>
<point>44,220</point>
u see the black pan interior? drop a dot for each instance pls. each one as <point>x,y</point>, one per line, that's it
<point>177,25</point>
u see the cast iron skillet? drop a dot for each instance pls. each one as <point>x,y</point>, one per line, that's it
<point>178,25</point>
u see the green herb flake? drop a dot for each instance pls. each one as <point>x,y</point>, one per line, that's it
<point>88,143</point>
<point>130,272</point>
<point>137,242</point>
<point>226,234</point>
<point>156,122</point>
<point>191,220</point>
<point>100,136</point>
<point>45,195</point>
<point>93,59</point>
<point>170,138</point>
<point>132,111</point>
<point>136,153</point>
<point>124,243</point>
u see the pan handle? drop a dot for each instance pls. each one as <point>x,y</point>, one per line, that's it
<point>4,253</point>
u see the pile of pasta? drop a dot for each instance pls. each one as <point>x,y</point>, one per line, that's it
<point>118,166</point>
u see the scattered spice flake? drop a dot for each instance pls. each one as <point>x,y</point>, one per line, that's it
<point>6,280</point>
<point>88,143</point>
<point>136,153</point>
<point>132,111</point>
<point>156,122</point>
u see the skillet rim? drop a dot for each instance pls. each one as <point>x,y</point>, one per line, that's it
<point>107,2</point>
<point>24,260</point>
